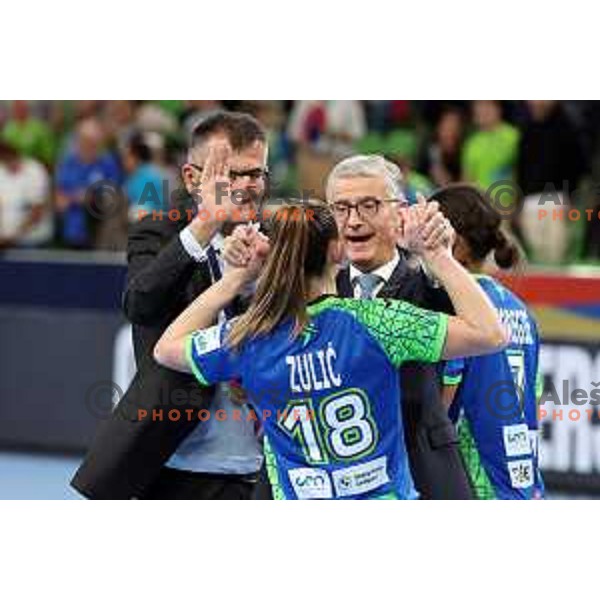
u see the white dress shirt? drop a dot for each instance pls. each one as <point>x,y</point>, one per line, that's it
<point>385,272</point>
<point>196,250</point>
<point>228,446</point>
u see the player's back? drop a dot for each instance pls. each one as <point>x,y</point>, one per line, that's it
<point>334,398</point>
<point>497,400</point>
<point>330,397</point>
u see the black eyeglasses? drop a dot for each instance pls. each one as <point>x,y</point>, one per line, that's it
<point>252,174</point>
<point>366,208</point>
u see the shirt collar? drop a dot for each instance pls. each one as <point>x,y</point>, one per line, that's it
<point>385,271</point>
<point>217,242</point>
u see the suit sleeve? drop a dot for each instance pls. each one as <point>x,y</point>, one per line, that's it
<point>157,271</point>
<point>210,360</point>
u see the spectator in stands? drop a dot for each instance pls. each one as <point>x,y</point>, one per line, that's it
<point>153,117</point>
<point>87,164</point>
<point>29,135</point>
<point>117,122</point>
<point>25,215</point>
<point>549,150</point>
<point>327,125</point>
<point>401,149</point>
<point>443,155</point>
<point>144,183</point>
<point>195,111</point>
<point>550,164</point>
<point>490,153</point>
<point>282,176</point>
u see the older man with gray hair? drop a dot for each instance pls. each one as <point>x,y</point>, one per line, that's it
<point>366,195</point>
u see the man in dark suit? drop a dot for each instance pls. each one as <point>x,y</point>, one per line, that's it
<point>172,259</point>
<point>364,192</point>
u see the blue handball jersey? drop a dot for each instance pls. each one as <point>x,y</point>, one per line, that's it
<point>329,398</point>
<point>496,406</point>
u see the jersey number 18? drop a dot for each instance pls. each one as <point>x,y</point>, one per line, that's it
<point>343,429</point>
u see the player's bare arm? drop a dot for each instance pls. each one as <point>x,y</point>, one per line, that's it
<point>476,329</point>
<point>203,312</point>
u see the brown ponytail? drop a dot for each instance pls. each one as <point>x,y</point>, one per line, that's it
<point>299,235</point>
<point>477,223</point>
<point>506,252</point>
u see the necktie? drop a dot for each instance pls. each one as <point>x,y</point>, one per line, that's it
<point>213,263</point>
<point>367,282</point>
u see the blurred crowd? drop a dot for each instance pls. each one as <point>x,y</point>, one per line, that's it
<point>60,159</point>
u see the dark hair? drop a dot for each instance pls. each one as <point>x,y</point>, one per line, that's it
<point>139,147</point>
<point>299,232</point>
<point>241,129</point>
<point>469,212</point>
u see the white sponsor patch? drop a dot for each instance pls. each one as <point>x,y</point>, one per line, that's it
<point>361,478</point>
<point>516,440</point>
<point>207,340</point>
<point>521,473</point>
<point>310,484</point>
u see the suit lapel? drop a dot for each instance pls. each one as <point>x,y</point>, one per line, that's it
<point>398,279</point>
<point>344,287</point>
<point>201,279</point>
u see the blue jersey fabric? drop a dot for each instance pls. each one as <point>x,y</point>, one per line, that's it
<point>329,398</point>
<point>496,405</point>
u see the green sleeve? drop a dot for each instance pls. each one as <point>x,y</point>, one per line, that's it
<point>539,385</point>
<point>406,332</point>
<point>191,361</point>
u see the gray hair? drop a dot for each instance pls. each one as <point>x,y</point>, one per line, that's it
<point>367,165</point>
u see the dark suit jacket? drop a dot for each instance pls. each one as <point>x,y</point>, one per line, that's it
<point>128,453</point>
<point>431,440</point>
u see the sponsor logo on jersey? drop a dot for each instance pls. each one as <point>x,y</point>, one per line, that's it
<point>207,340</point>
<point>518,322</point>
<point>361,478</point>
<point>521,473</point>
<point>310,483</point>
<point>516,439</point>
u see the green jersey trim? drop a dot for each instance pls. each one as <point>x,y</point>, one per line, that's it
<point>388,496</point>
<point>539,385</point>
<point>190,361</point>
<point>480,482</point>
<point>452,379</point>
<point>272,471</point>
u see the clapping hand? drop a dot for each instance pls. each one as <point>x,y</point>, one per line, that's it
<point>246,248</point>
<point>425,230</point>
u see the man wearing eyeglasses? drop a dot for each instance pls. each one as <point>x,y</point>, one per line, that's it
<point>366,196</point>
<point>170,263</point>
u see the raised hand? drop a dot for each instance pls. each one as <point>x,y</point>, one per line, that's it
<point>425,229</point>
<point>237,247</point>
<point>215,186</point>
<point>246,249</point>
